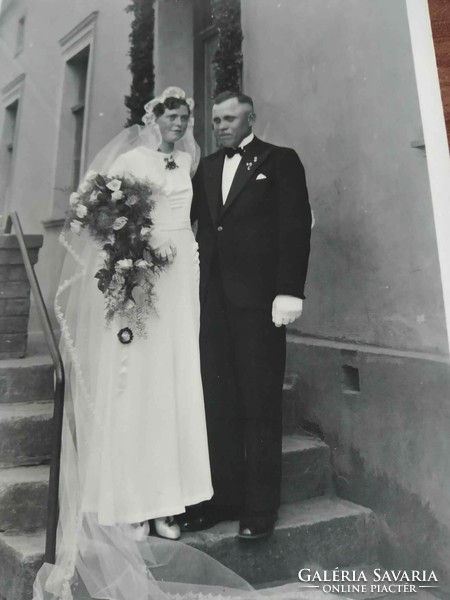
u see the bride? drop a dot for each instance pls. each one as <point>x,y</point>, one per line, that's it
<point>149,457</point>
<point>134,444</point>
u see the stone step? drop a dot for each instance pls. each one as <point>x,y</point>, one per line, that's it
<point>326,532</point>
<point>20,558</point>
<point>25,433</point>
<point>23,498</point>
<point>329,532</point>
<point>32,379</point>
<point>23,490</point>
<point>306,468</point>
<point>291,416</point>
<point>27,379</point>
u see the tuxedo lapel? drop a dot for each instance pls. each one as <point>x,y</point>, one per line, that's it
<point>213,183</point>
<point>255,154</point>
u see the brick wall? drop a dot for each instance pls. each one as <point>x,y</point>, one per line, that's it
<point>440,23</point>
<point>15,294</point>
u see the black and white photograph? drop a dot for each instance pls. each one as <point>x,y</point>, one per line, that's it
<point>224,300</point>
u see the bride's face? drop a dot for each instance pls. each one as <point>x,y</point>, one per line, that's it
<point>173,123</point>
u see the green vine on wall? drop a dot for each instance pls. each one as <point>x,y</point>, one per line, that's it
<point>141,55</point>
<point>227,62</point>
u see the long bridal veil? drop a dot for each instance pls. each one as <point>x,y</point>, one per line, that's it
<point>96,560</point>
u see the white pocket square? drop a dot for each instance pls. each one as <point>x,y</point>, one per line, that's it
<point>261,176</point>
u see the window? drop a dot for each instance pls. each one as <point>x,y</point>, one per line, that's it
<point>11,104</point>
<point>72,128</point>
<point>205,45</point>
<point>8,140</point>
<point>79,67</point>
<point>20,35</point>
<point>77,49</point>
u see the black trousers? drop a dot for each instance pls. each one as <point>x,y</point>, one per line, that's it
<point>243,359</point>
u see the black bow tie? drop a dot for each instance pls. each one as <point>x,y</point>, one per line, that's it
<point>230,152</point>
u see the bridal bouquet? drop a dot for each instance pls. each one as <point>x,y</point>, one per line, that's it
<point>116,212</point>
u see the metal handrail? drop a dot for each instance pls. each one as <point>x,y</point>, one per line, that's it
<point>58,407</point>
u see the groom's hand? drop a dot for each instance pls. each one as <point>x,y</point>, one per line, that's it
<point>166,251</point>
<point>286,309</point>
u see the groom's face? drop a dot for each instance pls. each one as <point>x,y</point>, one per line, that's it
<point>232,122</point>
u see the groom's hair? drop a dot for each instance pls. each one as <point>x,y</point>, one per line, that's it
<point>241,98</point>
<point>170,104</point>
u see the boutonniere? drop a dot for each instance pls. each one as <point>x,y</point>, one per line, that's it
<point>250,164</point>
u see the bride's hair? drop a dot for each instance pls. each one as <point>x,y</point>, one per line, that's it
<point>170,103</point>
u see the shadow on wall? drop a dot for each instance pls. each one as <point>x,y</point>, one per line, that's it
<point>386,418</point>
<point>404,520</point>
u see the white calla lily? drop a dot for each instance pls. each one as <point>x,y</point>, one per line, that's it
<point>142,264</point>
<point>74,198</point>
<point>81,211</point>
<point>125,263</point>
<point>114,185</point>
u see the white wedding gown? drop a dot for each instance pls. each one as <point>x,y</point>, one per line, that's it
<point>150,456</point>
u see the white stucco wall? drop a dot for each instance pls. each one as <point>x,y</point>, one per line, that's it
<point>174,45</point>
<point>335,80</point>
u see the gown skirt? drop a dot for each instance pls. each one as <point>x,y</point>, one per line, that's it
<point>148,456</point>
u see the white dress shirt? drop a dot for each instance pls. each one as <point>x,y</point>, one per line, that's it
<point>230,166</point>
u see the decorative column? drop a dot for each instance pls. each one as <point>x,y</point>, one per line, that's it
<point>15,294</point>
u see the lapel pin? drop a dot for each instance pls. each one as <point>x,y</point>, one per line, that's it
<point>250,164</point>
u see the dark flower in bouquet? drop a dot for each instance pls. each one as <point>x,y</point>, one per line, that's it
<point>116,212</point>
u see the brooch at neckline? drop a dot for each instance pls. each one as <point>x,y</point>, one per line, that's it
<point>170,163</point>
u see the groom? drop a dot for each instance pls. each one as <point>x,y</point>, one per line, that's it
<point>254,224</point>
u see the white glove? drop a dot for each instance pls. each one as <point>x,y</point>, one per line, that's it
<point>286,309</point>
<point>167,251</point>
<point>163,246</point>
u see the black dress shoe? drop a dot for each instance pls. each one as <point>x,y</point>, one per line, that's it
<point>190,524</point>
<point>255,528</point>
<point>206,520</point>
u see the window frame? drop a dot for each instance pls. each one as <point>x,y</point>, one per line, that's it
<point>12,94</point>
<point>20,35</point>
<point>78,40</point>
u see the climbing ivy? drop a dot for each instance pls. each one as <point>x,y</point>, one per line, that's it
<point>141,55</point>
<point>227,61</point>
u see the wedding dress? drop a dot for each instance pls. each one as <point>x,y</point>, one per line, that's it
<point>150,457</point>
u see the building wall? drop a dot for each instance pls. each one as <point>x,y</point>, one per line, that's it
<point>390,441</point>
<point>47,22</point>
<point>174,46</point>
<point>335,80</point>
<point>372,357</point>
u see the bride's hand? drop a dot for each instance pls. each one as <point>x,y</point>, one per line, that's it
<point>166,251</point>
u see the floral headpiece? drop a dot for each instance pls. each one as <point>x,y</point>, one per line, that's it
<point>170,92</point>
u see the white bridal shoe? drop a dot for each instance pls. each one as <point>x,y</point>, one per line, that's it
<point>167,527</point>
<point>138,531</point>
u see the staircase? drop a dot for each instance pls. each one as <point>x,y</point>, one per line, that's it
<point>26,392</point>
<point>314,525</point>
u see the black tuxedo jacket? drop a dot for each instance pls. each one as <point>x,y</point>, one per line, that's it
<point>261,237</point>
